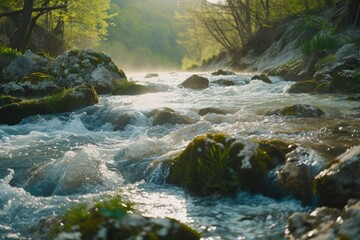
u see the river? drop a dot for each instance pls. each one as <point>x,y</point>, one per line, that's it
<point>47,163</point>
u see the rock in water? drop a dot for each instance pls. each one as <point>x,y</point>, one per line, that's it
<point>298,110</point>
<point>66,101</point>
<point>195,82</point>
<point>76,67</point>
<point>340,182</point>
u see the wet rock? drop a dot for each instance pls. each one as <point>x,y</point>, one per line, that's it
<point>12,88</point>
<point>76,67</point>
<point>339,182</point>
<point>25,65</point>
<point>66,101</point>
<point>291,71</point>
<point>6,100</point>
<point>262,77</point>
<point>132,88</point>
<point>221,72</point>
<point>298,110</point>
<point>225,82</point>
<point>346,81</point>
<point>195,82</point>
<point>219,164</point>
<point>38,84</point>
<point>308,86</point>
<point>111,219</point>
<point>326,223</point>
<point>151,75</point>
<point>164,116</point>
<point>204,111</point>
<point>351,50</point>
<point>298,173</point>
<point>276,149</point>
<point>123,120</point>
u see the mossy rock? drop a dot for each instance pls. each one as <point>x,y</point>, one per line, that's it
<point>37,77</point>
<point>132,88</point>
<point>66,101</point>
<point>112,219</point>
<point>6,100</point>
<point>308,86</point>
<point>262,77</point>
<point>276,149</point>
<point>219,164</point>
<point>298,110</point>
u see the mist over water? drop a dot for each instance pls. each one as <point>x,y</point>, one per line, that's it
<point>49,162</point>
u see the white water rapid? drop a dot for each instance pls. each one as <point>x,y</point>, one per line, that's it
<point>49,162</point>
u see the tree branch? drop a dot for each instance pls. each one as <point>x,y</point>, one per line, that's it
<point>39,9</point>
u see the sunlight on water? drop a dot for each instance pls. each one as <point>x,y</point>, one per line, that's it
<point>49,162</point>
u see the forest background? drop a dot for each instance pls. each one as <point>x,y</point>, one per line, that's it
<point>152,34</point>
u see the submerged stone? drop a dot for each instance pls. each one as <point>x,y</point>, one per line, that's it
<point>195,82</point>
<point>308,86</point>
<point>219,164</point>
<point>262,77</point>
<point>162,116</point>
<point>298,110</point>
<point>204,111</point>
<point>225,82</point>
<point>66,101</point>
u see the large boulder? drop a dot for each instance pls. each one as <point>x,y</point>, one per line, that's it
<point>25,65</point>
<point>346,81</point>
<point>326,223</point>
<point>195,82</point>
<point>298,110</point>
<point>262,77</point>
<point>66,101</point>
<point>219,164</point>
<point>307,86</point>
<point>76,67</point>
<point>340,182</point>
<point>132,88</point>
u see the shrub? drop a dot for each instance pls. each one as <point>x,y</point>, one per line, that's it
<point>321,45</point>
<point>8,52</point>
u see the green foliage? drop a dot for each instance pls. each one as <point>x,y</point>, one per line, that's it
<point>8,52</point>
<point>37,77</point>
<point>321,45</point>
<point>144,34</point>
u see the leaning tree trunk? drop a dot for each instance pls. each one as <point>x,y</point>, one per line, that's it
<point>352,12</point>
<point>20,35</point>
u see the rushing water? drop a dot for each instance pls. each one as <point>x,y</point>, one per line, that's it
<point>49,162</point>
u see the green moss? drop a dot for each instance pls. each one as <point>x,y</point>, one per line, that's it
<point>88,219</point>
<point>8,52</point>
<point>212,164</point>
<point>66,101</point>
<point>131,88</point>
<point>276,149</point>
<point>37,77</point>
<point>108,216</point>
<point>6,100</point>
<point>324,60</point>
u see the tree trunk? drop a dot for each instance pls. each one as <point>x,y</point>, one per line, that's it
<point>20,35</point>
<point>352,12</point>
